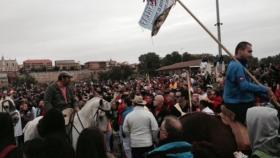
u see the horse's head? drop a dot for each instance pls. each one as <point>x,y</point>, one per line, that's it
<point>104,108</point>
<point>97,111</point>
<point>7,105</point>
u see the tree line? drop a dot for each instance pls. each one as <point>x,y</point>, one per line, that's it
<point>150,62</point>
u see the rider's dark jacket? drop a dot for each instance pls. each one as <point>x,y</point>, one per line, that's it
<point>54,98</point>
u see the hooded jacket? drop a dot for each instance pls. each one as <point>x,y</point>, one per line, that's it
<point>238,86</point>
<point>263,126</point>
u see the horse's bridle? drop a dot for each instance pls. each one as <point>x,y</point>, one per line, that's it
<point>4,109</point>
<point>15,119</point>
<point>95,116</point>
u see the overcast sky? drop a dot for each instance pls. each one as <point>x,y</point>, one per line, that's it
<point>86,30</point>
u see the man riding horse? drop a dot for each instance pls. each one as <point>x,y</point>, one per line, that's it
<point>59,95</point>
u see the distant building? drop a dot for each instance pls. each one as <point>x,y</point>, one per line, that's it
<point>3,80</point>
<point>100,65</point>
<point>96,65</point>
<point>8,65</point>
<point>181,67</point>
<point>67,65</point>
<point>37,64</point>
<point>111,63</point>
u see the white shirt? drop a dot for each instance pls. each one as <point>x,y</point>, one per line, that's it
<point>203,96</point>
<point>18,127</point>
<point>141,126</point>
<point>34,111</point>
<point>209,111</point>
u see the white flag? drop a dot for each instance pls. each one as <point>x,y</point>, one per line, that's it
<point>155,14</point>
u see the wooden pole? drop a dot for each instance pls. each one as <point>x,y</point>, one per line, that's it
<point>223,47</point>
<point>189,90</point>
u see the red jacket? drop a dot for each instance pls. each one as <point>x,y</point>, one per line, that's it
<point>277,94</point>
<point>121,109</point>
<point>217,102</point>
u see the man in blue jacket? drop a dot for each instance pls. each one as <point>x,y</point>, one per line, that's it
<point>239,91</point>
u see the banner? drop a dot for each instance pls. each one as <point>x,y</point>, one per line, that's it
<point>154,15</point>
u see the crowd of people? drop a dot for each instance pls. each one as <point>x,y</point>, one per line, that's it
<point>145,114</point>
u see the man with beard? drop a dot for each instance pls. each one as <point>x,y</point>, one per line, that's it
<point>239,91</point>
<point>60,95</point>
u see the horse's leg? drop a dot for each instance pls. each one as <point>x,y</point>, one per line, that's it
<point>75,136</point>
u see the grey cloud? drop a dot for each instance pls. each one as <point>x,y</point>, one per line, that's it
<point>99,30</point>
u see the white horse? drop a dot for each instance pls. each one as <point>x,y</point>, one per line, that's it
<point>7,105</point>
<point>92,114</point>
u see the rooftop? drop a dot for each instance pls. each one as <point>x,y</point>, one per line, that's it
<point>181,65</point>
<point>64,61</point>
<point>33,61</point>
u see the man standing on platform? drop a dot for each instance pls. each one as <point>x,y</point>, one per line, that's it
<point>239,91</point>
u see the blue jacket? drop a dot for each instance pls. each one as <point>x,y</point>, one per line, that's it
<point>127,111</point>
<point>238,86</point>
<point>179,149</point>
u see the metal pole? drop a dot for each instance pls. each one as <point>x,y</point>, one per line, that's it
<point>219,27</point>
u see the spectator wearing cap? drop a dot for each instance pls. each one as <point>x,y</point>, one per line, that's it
<point>141,126</point>
<point>60,95</point>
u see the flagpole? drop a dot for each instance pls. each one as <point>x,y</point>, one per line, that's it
<point>189,90</point>
<point>221,45</point>
<point>218,26</point>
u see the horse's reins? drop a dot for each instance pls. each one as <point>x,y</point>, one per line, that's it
<point>96,115</point>
<point>72,124</point>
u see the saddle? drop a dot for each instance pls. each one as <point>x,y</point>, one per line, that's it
<point>239,131</point>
